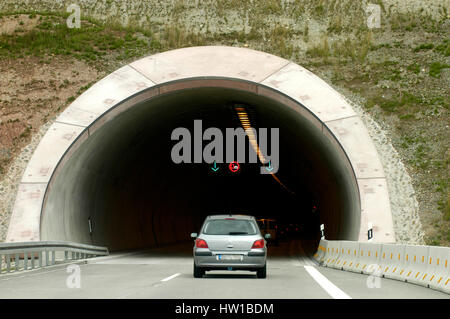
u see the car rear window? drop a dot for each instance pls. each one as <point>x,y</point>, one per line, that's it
<point>230,227</point>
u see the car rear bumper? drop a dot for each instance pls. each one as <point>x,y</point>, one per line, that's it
<point>250,260</point>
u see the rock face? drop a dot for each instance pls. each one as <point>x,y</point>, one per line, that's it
<point>139,12</point>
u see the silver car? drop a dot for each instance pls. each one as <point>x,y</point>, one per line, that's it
<point>230,242</point>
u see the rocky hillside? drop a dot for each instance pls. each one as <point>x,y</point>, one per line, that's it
<point>396,74</point>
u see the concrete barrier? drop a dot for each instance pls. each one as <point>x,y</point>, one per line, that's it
<point>332,253</point>
<point>339,256</point>
<point>416,261</point>
<point>422,265</point>
<point>358,266</point>
<point>437,273</point>
<point>392,261</point>
<point>388,251</point>
<point>369,257</point>
<point>350,255</point>
<point>319,256</point>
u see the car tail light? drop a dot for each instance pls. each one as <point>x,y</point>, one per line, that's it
<point>258,244</point>
<point>200,243</point>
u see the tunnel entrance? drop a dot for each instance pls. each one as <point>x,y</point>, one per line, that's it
<point>121,189</point>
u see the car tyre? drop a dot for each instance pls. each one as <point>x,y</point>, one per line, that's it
<point>262,273</point>
<point>198,272</point>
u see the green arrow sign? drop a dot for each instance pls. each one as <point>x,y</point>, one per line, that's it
<point>215,168</point>
<point>270,167</point>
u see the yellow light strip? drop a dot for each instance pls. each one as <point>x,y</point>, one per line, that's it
<point>245,122</point>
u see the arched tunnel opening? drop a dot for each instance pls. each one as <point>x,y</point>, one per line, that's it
<point>121,189</point>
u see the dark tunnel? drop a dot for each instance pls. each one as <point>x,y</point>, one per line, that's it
<point>121,189</point>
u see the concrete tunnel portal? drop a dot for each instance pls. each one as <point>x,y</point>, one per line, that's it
<point>113,182</point>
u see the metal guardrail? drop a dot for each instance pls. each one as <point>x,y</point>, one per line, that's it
<point>39,254</point>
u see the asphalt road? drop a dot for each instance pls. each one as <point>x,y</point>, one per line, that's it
<point>167,273</point>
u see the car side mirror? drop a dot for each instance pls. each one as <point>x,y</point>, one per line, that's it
<point>267,236</point>
<point>194,235</point>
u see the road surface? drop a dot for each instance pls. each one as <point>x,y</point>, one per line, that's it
<point>167,273</point>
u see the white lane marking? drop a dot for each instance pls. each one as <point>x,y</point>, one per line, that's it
<point>327,285</point>
<point>171,277</point>
<point>153,285</point>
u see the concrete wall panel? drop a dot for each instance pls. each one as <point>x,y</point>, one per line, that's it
<point>49,152</point>
<point>231,62</point>
<point>354,138</point>
<point>25,221</point>
<point>107,92</point>
<point>375,208</point>
<point>311,91</point>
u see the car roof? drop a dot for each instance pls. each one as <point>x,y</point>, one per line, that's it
<point>235,216</point>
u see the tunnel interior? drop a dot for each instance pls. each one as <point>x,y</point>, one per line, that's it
<point>121,189</point>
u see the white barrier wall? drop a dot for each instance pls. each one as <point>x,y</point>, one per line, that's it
<point>369,257</point>
<point>391,260</point>
<point>396,263</point>
<point>319,256</point>
<point>350,254</point>
<point>422,265</point>
<point>416,264</point>
<point>332,253</point>
<point>438,268</point>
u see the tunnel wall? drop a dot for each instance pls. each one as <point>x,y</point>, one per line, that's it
<point>242,69</point>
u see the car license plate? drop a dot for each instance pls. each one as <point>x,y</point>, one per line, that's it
<point>229,257</point>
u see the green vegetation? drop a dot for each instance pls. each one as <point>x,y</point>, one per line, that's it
<point>443,48</point>
<point>421,47</point>
<point>26,133</point>
<point>93,43</point>
<point>414,67</point>
<point>401,101</point>
<point>436,68</point>
<point>89,43</point>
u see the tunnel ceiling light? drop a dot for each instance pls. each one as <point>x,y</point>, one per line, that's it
<point>246,124</point>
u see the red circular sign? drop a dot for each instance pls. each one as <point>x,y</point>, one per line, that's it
<point>234,167</point>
